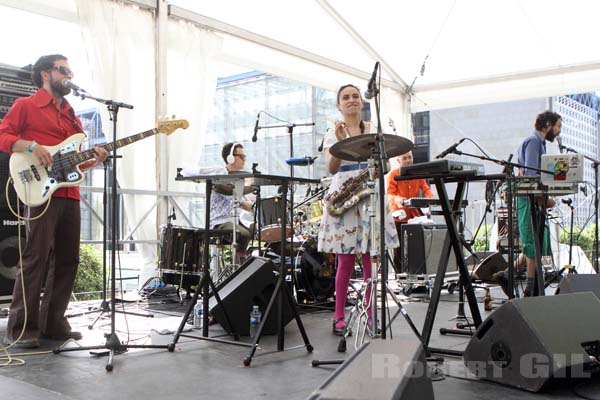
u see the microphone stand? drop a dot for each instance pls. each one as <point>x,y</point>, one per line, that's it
<point>290,128</point>
<point>595,165</point>
<point>509,177</point>
<point>381,155</point>
<point>112,344</point>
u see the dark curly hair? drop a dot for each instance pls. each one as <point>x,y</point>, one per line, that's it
<point>545,117</point>
<point>44,63</point>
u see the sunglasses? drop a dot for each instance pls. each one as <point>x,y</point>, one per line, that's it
<point>63,70</point>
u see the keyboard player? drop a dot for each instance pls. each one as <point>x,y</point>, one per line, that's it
<point>398,192</point>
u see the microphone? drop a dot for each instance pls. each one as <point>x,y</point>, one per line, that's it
<point>372,86</point>
<point>508,168</point>
<point>561,148</point>
<point>301,161</point>
<point>567,201</point>
<point>320,148</point>
<point>256,128</point>
<point>70,85</point>
<point>450,149</point>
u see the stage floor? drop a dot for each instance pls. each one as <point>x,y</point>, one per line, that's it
<point>203,369</point>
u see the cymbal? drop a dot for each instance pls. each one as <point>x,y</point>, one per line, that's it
<point>362,147</point>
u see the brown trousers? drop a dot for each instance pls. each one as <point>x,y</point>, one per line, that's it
<point>55,234</point>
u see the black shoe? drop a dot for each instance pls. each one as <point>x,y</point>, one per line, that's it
<point>63,336</point>
<point>338,331</point>
<point>502,278</point>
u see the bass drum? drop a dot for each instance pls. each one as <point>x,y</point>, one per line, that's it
<point>314,273</point>
<point>180,259</point>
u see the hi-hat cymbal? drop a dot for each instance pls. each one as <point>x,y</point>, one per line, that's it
<point>362,147</point>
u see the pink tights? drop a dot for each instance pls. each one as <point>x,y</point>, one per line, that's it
<point>342,280</point>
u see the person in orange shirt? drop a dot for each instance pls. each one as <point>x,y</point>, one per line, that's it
<point>400,191</point>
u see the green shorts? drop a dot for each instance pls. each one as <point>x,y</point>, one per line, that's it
<point>526,230</point>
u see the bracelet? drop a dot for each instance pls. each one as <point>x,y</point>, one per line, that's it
<point>31,147</point>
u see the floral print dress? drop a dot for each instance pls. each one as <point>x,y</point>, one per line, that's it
<point>350,233</point>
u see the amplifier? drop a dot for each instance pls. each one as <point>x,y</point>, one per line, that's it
<point>9,253</point>
<point>422,249</point>
<point>15,82</point>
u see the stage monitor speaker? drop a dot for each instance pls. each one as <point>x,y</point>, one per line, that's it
<point>493,263</point>
<point>253,283</point>
<point>534,342</point>
<point>381,369</point>
<point>575,283</point>
<point>471,260</point>
<point>422,249</point>
<point>9,253</point>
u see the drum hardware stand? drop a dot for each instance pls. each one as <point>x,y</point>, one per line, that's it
<point>204,285</point>
<point>236,204</point>
<point>280,293</point>
<point>569,266</point>
<point>289,213</point>
<point>112,344</point>
<point>280,290</point>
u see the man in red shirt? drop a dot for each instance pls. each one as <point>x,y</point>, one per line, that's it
<point>400,191</point>
<point>45,119</point>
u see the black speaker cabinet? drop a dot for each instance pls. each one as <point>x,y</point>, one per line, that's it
<point>381,369</point>
<point>4,175</point>
<point>575,283</point>
<point>252,284</point>
<point>422,249</point>
<point>9,253</point>
<point>493,263</point>
<point>533,342</point>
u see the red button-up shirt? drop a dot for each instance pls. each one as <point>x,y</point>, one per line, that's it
<point>408,190</point>
<point>37,118</point>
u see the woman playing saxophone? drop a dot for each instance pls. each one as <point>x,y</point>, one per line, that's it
<point>347,232</point>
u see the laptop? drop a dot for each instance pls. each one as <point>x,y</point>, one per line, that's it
<point>567,168</point>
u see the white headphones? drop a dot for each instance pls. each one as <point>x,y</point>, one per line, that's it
<point>231,157</point>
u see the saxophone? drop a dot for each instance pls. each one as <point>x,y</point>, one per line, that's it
<point>352,192</point>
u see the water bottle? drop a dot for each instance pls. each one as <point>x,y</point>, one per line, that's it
<point>198,314</point>
<point>255,317</point>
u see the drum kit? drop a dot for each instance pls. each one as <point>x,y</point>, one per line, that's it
<point>181,248</point>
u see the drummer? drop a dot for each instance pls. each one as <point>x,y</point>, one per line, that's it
<point>221,204</point>
<point>400,191</point>
<point>348,235</point>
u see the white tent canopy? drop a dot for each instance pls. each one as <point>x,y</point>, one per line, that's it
<point>473,51</point>
<point>434,54</point>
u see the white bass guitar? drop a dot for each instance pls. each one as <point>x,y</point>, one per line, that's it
<point>35,184</point>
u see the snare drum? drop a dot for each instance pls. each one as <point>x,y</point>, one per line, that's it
<point>272,233</point>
